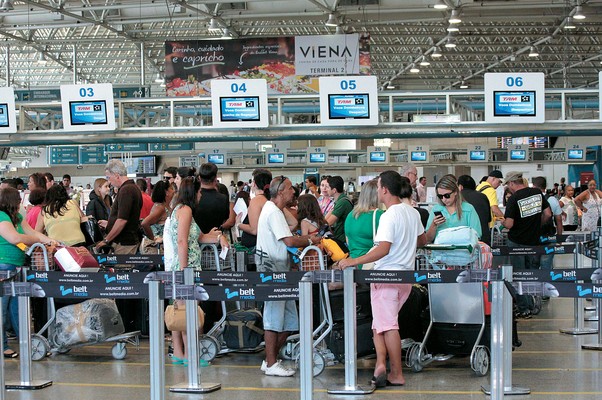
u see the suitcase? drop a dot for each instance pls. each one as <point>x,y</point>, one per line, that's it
<point>365,344</point>
<point>73,259</point>
<point>134,313</point>
<point>457,339</point>
<point>414,316</point>
<point>243,329</point>
<point>363,307</point>
<point>92,321</point>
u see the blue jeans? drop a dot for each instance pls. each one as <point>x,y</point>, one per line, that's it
<point>10,310</point>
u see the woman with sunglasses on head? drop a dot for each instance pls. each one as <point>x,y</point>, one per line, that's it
<point>452,211</point>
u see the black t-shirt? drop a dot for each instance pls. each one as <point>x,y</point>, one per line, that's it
<point>480,202</point>
<point>212,211</point>
<point>127,206</point>
<point>525,206</point>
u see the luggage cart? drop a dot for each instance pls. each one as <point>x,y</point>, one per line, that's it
<point>453,303</point>
<point>313,260</point>
<point>42,347</point>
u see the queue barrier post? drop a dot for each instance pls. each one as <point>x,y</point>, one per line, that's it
<point>350,323</point>
<point>2,389</point>
<point>501,342</point>
<point>595,307</point>
<point>157,342</point>
<point>27,382</point>
<point>578,326</point>
<point>306,338</point>
<point>192,332</point>
<point>598,302</point>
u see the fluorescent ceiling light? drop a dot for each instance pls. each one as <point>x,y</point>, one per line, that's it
<point>568,23</point>
<point>578,14</point>
<point>533,52</point>
<point>42,59</point>
<point>453,28</point>
<point>213,25</point>
<point>436,52</point>
<point>451,43</point>
<point>424,62</point>
<point>440,5</point>
<point>7,5</point>
<point>390,86</point>
<point>159,78</point>
<point>414,69</point>
<point>454,18</point>
<point>463,85</point>
<point>227,34</point>
<point>332,20</point>
<point>340,30</point>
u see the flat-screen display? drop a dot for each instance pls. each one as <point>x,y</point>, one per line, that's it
<point>143,166</point>
<point>3,115</point>
<point>518,155</point>
<point>575,154</point>
<point>317,157</point>
<point>275,158</point>
<point>514,104</point>
<point>236,109</point>
<point>93,112</point>
<point>378,156</point>
<point>348,106</point>
<point>215,158</point>
<point>418,156</point>
<point>477,155</point>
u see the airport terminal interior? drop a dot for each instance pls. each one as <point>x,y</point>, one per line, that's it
<point>307,88</point>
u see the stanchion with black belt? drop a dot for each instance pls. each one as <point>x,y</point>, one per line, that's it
<point>306,339</point>
<point>349,305</point>
<point>501,342</point>
<point>594,309</point>
<point>157,341</point>
<point>598,302</point>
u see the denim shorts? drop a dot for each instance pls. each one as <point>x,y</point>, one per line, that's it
<point>387,300</point>
<point>280,316</point>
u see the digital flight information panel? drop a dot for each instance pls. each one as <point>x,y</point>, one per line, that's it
<point>88,112</point>
<point>348,106</point>
<point>239,109</point>
<point>515,103</point>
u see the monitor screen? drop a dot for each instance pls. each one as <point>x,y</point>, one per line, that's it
<point>93,112</point>
<point>215,158</point>
<point>348,106</point>
<point>317,157</point>
<point>236,109</point>
<point>575,154</point>
<point>378,156</point>
<point>518,155</point>
<point>477,155</point>
<point>142,166</point>
<point>418,156</point>
<point>275,158</point>
<point>514,104</point>
<point>3,115</point>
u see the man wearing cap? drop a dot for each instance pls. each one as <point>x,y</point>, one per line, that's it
<point>488,188</point>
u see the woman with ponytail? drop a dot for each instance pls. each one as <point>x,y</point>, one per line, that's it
<point>261,189</point>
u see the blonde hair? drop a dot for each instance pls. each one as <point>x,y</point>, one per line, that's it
<point>98,183</point>
<point>368,199</point>
<point>449,182</point>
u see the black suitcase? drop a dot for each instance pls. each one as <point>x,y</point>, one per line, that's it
<point>414,316</point>
<point>134,313</point>
<point>365,344</point>
<point>363,308</point>
<point>457,339</point>
<point>243,329</point>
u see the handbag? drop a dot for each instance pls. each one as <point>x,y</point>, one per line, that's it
<point>371,265</point>
<point>91,231</point>
<point>175,317</point>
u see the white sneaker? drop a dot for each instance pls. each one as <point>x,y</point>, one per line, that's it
<point>278,370</point>
<point>264,366</point>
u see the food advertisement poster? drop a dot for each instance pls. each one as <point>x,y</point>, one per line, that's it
<point>288,64</point>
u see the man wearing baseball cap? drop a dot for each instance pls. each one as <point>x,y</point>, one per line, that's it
<point>488,188</point>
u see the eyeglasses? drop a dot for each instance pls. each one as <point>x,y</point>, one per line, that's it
<point>446,195</point>
<point>167,177</point>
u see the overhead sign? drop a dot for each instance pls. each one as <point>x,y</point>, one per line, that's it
<point>348,100</point>
<point>377,154</point>
<point>92,155</point>
<point>316,156</point>
<point>162,146</point>
<point>119,92</point>
<point>515,97</point>
<point>275,156</point>
<point>8,116</point>
<point>88,107</point>
<point>239,103</point>
<point>189,161</point>
<point>63,155</point>
<point>477,153</point>
<point>418,154</point>
<point>327,55</point>
<point>127,148</point>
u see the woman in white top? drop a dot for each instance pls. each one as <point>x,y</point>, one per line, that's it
<point>570,215</point>
<point>589,203</point>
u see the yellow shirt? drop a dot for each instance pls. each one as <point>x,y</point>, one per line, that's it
<point>65,228</point>
<point>491,194</point>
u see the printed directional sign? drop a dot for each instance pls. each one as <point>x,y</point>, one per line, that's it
<point>63,155</point>
<point>92,155</point>
<point>127,147</point>
<point>170,146</point>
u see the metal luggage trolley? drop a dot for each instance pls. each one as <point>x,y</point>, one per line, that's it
<point>312,259</point>
<point>459,303</point>
<point>40,346</point>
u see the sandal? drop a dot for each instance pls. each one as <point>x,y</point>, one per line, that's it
<point>10,354</point>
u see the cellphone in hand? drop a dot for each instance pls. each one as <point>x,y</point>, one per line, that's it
<point>438,214</point>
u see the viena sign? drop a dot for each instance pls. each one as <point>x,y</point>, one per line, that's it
<point>327,55</point>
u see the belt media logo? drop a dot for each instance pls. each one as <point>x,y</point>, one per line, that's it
<point>78,291</point>
<point>242,294</point>
<point>429,277</point>
<point>419,278</point>
<point>549,250</point>
<point>38,277</point>
<point>583,292</point>
<point>566,276</point>
<point>106,259</point>
<point>274,277</point>
<point>118,278</point>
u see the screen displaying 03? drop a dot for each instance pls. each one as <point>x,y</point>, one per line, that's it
<point>348,106</point>
<point>234,109</point>
<point>518,155</point>
<point>317,157</point>
<point>477,155</point>
<point>4,115</point>
<point>514,104</point>
<point>92,112</point>
<point>276,158</point>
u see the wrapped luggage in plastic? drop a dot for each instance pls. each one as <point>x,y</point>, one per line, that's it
<point>92,321</point>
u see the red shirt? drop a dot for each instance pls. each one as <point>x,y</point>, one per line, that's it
<point>147,204</point>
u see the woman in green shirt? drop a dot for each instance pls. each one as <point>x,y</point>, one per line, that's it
<point>358,225</point>
<point>14,234</point>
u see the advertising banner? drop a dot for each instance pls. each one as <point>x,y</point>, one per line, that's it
<point>288,64</point>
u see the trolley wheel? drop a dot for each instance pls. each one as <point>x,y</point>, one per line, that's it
<point>39,347</point>
<point>415,357</point>
<point>319,363</point>
<point>119,351</point>
<point>480,362</point>
<point>536,305</point>
<point>208,348</point>
<point>63,351</point>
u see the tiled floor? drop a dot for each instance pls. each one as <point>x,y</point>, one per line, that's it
<point>551,364</point>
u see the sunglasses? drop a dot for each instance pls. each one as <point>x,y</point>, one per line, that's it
<point>282,179</point>
<point>446,195</point>
<point>167,177</point>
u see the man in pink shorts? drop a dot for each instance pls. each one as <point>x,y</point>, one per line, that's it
<point>399,233</point>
